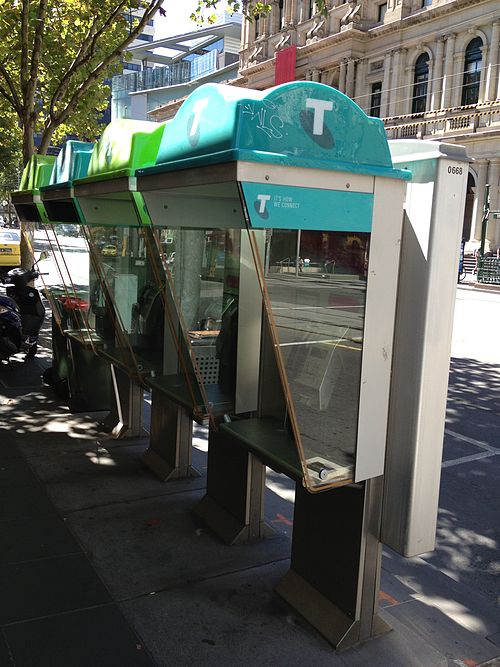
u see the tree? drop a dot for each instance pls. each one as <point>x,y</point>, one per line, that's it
<point>55,56</point>
<point>10,157</point>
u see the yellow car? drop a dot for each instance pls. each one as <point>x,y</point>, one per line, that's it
<point>109,251</point>
<point>10,247</point>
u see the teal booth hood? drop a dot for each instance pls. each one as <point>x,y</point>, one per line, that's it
<point>302,124</point>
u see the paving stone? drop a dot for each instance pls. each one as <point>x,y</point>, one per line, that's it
<point>48,586</point>
<point>97,637</point>
<point>39,537</point>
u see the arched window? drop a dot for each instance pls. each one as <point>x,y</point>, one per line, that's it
<point>472,72</point>
<point>281,12</point>
<point>420,81</point>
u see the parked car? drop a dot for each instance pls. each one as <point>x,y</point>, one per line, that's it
<point>109,250</point>
<point>10,248</point>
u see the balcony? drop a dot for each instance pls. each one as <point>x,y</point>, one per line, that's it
<point>439,124</point>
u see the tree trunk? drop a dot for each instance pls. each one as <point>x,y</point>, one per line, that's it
<point>27,257</point>
<point>28,140</point>
<point>46,139</point>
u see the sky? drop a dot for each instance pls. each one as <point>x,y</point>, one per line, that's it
<point>177,20</point>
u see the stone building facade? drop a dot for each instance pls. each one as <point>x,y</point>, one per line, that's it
<point>428,68</point>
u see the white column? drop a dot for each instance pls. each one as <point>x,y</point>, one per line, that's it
<point>448,70</point>
<point>484,72</point>
<point>315,75</point>
<point>493,229</point>
<point>482,172</point>
<point>437,84</point>
<point>457,80</point>
<point>349,86</point>
<point>493,70</point>
<point>291,16</point>
<point>494,181</point>
<point>384,102</point>
<point>342,76</point>
<point>395,95</point>
<point>361,89</point>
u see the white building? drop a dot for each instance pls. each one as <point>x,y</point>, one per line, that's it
<point>171,67</point>
<point>429,68</point>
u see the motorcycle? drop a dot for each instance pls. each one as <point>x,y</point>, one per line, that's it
<point>21,313</point>
<point>11,335</point>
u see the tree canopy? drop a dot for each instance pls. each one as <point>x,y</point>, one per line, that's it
<point>55,56</point>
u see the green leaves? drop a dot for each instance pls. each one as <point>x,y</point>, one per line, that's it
<point>55,56</point>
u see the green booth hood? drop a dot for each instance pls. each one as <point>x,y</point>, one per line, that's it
<point>71,163</point>
<point>36,174</point>
<point>125,146</point>
<point>301,123</point>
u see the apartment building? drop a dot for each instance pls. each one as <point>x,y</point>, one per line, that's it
<point>173,66</point>
<point>428,68</point>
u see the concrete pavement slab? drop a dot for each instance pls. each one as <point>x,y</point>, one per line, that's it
<point>237,619</point>
<point>97,476</point>
<point>146,546</point>
<point>464,605</point>
<point>437,629</point>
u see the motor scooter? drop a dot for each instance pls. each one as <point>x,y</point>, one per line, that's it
<point>11,336</point>
<point>24,301</point>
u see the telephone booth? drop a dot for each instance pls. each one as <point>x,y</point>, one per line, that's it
<point>88,376</point>
<point>134,261</point>
<point>27,200</point>
<point>286,215</point>
<point>127,321</point>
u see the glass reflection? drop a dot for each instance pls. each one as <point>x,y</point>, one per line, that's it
<point>126,310</point>
<point>202,269</point>
<point>69,279</point>
<point>316,285</point>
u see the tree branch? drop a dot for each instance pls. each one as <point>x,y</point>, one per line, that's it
<point>23,74</point>
<point>105,63</point>
<point>13,98</point>
<point>7,96</point>
<point>29,101</point>
<point>57,118</point>
<point>85,53</point>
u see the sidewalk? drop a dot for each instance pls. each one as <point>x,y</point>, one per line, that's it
<point>103,565</point>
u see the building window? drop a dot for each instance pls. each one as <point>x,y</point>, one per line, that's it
<point>426,3</point>
<point>420,81</point>
<point>472,72</point>
<point>257,25</point>
<point>375,99</point>
<point>311,9</point>
<point>382,11</point>
<point>280,13</point>
<point>145,38</point>
<point>131,66</point>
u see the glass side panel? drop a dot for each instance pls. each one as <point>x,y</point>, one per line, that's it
<point>316,286</point>
<point>126,310</point>
<point>202,273</point>
<point>68,278</point>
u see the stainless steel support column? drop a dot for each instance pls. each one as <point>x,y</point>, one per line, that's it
<point>126,416</point>
<point>334,577</point>
<point>233,507</point>
<point>170,443</point>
